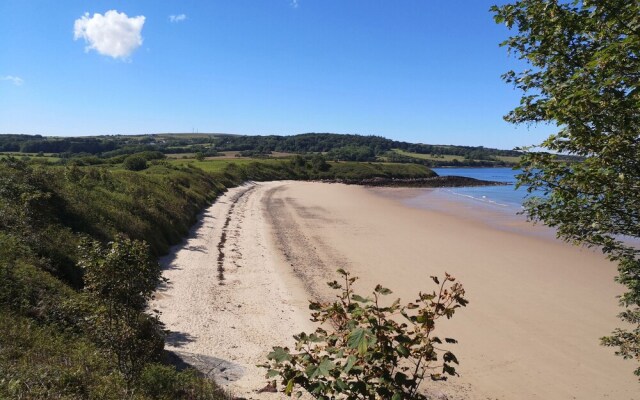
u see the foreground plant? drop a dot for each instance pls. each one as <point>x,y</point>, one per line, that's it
<point>370,350</point>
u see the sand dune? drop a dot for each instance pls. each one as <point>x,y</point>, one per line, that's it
<point>538,306</point>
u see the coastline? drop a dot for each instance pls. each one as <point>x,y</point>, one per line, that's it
<point>538,306</point>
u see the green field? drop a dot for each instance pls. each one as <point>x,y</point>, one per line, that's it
<point>444,157</point>
<point>509,159</point>
<point>47,157</point>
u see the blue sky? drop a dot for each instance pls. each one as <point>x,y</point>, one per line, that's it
<point>421,70</point>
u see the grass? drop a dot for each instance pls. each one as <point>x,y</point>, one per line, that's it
<point>450,157</point>
<point>444,157</point>
<point>46,157</point>
<point>509,159</point>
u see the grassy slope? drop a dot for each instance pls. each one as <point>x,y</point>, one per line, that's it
<point>285,169</point>
<point>45,350</point>
<point>445,157</point>
<point>449,157</point>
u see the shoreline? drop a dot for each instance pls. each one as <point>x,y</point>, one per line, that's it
<point>538,306</point>
<point>495,215</point>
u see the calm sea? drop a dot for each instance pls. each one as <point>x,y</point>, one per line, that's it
<point>499,206</point>
<point>506,197</point>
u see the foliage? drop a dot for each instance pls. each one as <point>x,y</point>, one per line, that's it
<point>95,150</point>
<point>349,146</point>
<point>135,163</point>
<point>352,172</point>
<point>40,362</point>
<point>585,59</point>
<point>353,153</point>
<point>120,278</point>
<point>366,353</point>
<point>306,167</point>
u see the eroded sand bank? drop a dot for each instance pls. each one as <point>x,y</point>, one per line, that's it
<point>239,285</point>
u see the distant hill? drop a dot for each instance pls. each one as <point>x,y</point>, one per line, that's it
<point>335,146</point>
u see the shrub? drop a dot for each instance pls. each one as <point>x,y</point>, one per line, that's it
<point>367,353</point>
<point>120,278</point>
<point>135,163</point>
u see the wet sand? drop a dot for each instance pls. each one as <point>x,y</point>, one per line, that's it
<point>538,306</point>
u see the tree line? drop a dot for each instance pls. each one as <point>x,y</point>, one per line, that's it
<point>339,147</point>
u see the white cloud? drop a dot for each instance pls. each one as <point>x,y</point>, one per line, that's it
<point>294,3</point>
<point>112,34</point>
<point>177,18</point>
<point>16,80</point>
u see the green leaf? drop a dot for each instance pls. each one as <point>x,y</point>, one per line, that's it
<point>351,361</point>
<point>360,299</point>
<point>359,339</point>
<point>279,354</point>
<point>403,351</point>
<point>323,369</point>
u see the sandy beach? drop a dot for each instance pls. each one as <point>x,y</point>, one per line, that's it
<point>241,281</point>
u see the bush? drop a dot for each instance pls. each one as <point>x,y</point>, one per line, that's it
<point>368,354</point>
<point>38,362</point>
<point>135,163</point>
<point>120,278</point>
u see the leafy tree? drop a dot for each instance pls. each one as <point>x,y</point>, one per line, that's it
<point>370,350</point>
<point>319,163</point>
<point>120,278</point>
<point>584,77</point>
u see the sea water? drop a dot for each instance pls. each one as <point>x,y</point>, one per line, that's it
<point>500,206</point>
<point>505,197</point>
<point>505,203</point>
